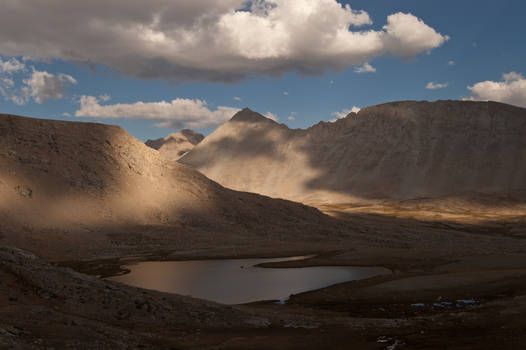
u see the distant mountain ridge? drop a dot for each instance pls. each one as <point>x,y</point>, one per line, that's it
<point>394,151</point>
<point>176,145</point>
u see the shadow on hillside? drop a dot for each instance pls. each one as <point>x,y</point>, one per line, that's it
<point>421,149</point>
<point>386,223</point>
<point>70,190</point>
<point>249,144</point>
<point>398,151</point>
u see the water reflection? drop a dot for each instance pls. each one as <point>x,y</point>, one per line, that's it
<point>237,281</point>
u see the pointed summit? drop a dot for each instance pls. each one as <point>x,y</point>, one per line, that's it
<point>193,137</point>
<point>175,145</point>
<point>248,115</point>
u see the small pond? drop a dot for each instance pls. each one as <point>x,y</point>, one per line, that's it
<point>238,281</point>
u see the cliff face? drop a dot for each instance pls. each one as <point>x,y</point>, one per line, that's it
<point>74,190</point>
<point>393,151</point>
<point>176,145</point>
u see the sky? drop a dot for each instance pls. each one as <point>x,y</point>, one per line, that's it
<point>194,63</point>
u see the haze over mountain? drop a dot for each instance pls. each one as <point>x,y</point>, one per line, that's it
<point>394,151</point>
<point>176,145</point>
<point>76,190</point>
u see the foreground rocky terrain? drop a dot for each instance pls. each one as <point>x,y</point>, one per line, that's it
<point>176,145</point>
<point>71,310</point>
<point>390,152</point>
<point>435,299</point>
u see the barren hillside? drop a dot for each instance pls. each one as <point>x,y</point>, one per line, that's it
<point>394,151</point>
<point>45,307</point>
<point>176,145</point>
<point>79,190</point>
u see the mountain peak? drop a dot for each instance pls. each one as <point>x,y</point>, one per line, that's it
<point>248,115</point>
<point>192,136</point>
<point>176,144</point>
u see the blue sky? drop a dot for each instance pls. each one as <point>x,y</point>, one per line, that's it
<point>486,40</point>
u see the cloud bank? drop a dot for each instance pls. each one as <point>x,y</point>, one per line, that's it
<point>511,89</point>
<point>208,40</point>
<point>177,114</point>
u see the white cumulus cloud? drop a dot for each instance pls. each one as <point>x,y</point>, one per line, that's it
<point>435,86</point>
<point>105,97</point>
<point>511,89</point>
<point>343,113</point>
<point>19,83</point>
<point>43,86</point>
<point>11,65</point>
<point>177,114</point>
<point>208,40</point>
<point>271,116</point>
<point>7,85</point>
<point>365,68</point>
<point>8,82</point>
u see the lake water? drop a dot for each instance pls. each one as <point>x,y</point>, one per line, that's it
<point>238,281</point>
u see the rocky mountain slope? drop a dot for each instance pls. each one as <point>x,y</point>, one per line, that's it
<point>394,151</point>
<point>176,145</point>
<point>82,190</point>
